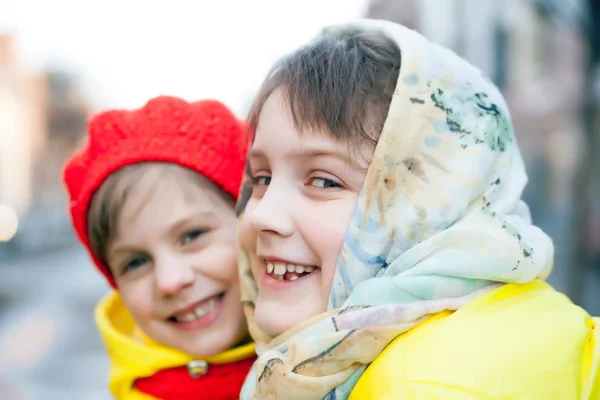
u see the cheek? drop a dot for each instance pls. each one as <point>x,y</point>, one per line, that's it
<point>328,227</point>
<point>138,298</point>
<point>329,223</point>
<point>219,262</point>
<point>247,237</point>
<point>230,266</point>
<point>246,234</point>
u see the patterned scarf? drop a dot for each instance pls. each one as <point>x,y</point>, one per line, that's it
<point>438,222</point>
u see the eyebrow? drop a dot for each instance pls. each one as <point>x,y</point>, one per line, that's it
<point>310,153</point>
<point>181,223</point>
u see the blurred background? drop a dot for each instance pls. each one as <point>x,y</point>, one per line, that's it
<point>63,60</point>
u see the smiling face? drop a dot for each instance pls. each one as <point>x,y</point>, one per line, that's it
<point>174,260</point>
<point>305,189</point>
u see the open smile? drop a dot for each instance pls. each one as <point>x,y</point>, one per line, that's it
<point>198,315</point>
<point>287,271</point>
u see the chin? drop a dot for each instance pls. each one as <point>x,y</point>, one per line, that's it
<point>208,347</point>
<point>201,352</point>
<point>275,319</point>
<point>208,344</point>
<point>271,327</point>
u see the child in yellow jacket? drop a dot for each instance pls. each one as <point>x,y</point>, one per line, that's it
<point>386,251</point>
<point>152,196</point>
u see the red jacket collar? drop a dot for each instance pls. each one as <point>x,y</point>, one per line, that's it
<point>220,382</point>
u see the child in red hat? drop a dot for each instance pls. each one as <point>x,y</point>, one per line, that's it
<point>152,197</point>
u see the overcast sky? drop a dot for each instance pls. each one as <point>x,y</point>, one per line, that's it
<point>126,51</point>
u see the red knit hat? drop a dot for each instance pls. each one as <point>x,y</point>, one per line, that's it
<point>204,136</point>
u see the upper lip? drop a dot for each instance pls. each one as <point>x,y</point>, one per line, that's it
<point>193,306</point>
<point>283,260</point>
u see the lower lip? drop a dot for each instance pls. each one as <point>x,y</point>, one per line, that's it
<point>268,281</point>
<point>203,322</point>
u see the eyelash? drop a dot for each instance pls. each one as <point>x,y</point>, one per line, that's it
<point>333,184</point>
<point>256,180</point>
<point>131,264</point>
<point>196,233</point>
<point>139,261</point>
<point>325,182</point>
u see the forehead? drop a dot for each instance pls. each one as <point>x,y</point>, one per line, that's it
<point>276,127</point>
<point>277,134</point>
<point>275,115</point>
<point>170,190</point>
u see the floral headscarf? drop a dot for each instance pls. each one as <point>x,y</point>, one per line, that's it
<point>438,222</point>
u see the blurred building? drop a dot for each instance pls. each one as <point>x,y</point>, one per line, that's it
<point>403,12</point>
<point>42,120</point>
<point>17,130</point>
<point>65,114</point>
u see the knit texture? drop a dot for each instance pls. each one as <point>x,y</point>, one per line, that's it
<point>203,136</point>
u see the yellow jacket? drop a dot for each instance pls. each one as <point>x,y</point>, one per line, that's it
<point>134,356</point>
<point>517,342</point>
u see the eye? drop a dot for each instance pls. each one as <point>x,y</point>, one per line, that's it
<point>135,263</point>
<point>192,235</point>
<point>324,183</point>
<point>262,180</point>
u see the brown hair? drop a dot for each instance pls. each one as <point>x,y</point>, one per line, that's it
<point>108,201</point>
<point>341,83</point>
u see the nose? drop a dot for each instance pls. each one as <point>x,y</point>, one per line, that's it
<point>272,212</point>
<point>172,274</point>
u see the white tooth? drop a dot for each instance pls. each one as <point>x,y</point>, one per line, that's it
<point>290,268</point>
<point>189,317</point>
<point>299,269</point>
<point>280,269</point>
<point>206,308</point>
<point>270,268</point>
<point>309,269</point>
<point>212,304</point>
<point>293,277</point>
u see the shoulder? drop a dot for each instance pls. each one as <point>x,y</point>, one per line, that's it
<point>515,339</point>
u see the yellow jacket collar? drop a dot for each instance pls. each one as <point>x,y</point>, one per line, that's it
<point>133,355</point>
